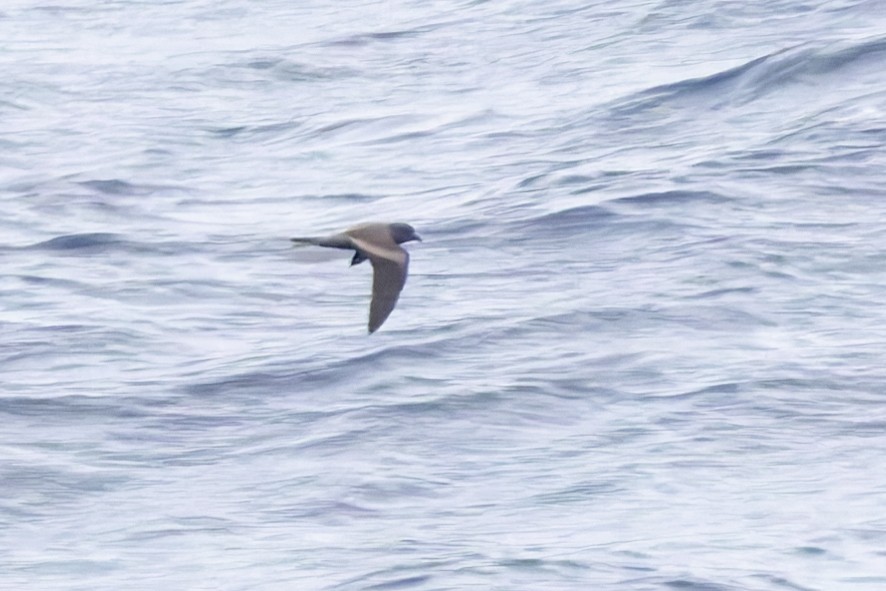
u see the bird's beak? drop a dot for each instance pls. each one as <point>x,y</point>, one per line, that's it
<point>417,237</point>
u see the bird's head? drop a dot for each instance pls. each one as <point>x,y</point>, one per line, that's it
<point>403,233</point>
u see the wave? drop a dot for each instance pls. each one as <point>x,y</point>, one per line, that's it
<point>99,242</point>
<point>757,77</point>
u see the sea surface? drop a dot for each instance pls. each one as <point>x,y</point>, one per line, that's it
<point>642,346</point>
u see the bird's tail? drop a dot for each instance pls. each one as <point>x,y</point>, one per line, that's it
<point>334,241</point>
<point>306,240</point>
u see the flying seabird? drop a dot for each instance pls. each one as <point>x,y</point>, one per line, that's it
<point>380,243</point>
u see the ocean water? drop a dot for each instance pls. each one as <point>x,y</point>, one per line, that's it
<point>642,346</point>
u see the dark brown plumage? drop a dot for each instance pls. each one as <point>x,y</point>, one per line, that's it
<point>380,243</point>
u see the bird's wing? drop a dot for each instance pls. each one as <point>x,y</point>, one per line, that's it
<point>388,279</point>
<point>372,233</point>
<point>374,250</point>
<point>390,266</point>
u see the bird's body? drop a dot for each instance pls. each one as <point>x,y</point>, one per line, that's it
<point>380,244</point>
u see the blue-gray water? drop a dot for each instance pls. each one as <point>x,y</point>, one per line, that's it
<point>642,347</point>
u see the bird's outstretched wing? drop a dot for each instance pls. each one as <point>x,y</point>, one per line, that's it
<point>390,267</point>
<point>388,279</point>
